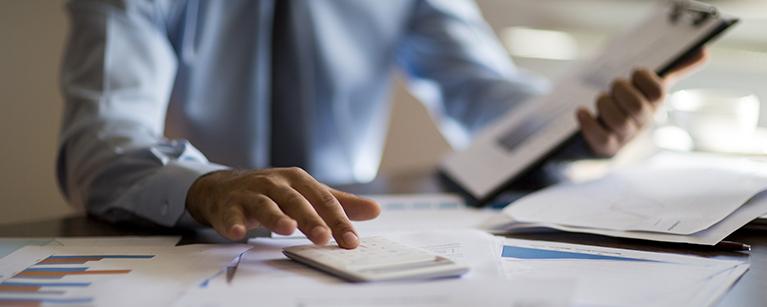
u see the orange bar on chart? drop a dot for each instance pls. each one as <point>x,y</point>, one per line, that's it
<point>20,304</point>
<point>64,273</point>
<point>19,288</point>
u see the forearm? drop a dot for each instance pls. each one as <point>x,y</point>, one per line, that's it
<point>117,76</point>
<point>118,173</point>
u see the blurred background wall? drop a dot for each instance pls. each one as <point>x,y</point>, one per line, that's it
<point>32,35</point>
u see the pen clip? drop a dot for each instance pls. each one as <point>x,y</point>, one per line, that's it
<point>701,12</point>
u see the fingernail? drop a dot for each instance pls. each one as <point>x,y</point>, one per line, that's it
<point>349,238</point>
<point>318,232</point>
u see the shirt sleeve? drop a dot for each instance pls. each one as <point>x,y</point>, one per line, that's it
<point>117,76</point>
<point>455,64</point>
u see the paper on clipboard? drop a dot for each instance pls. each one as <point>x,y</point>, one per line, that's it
<point>519,140</point>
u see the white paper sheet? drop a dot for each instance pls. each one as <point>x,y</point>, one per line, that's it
<point>476,248</point>
<point>439,293</point>
<point>619,277</point>
<point>424,294</point>
<point>755,207</point>
<point>422,212</point>
<point>265,277</point>
<point>670,193</point>
<point>10,245</point>
<point>110,276</point>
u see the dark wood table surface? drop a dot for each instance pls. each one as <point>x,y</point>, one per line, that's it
<point>750,290</point>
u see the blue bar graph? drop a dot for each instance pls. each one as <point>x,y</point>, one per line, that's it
<point>535,253</point>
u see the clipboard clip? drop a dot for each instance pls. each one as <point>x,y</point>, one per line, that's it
<point>699,12</point>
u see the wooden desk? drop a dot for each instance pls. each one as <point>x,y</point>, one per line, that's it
<point>750,290</point>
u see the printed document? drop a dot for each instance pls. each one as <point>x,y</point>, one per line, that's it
<point>108,276</point>
<point>267,278</point>
<point>670,193</point>
<point>621,277</point>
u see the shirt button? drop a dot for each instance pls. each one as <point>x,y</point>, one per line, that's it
<point>164,208</point>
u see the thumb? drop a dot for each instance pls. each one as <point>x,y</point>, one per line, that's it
<point>692,63</point>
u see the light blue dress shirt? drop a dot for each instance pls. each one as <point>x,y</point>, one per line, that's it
<point>204,70</point>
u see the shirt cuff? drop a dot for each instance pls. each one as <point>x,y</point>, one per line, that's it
<point>164,200</point>
<point>187,221</point>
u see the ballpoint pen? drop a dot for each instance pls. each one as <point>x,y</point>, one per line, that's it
<point>232,268</point>
<point>732,245</point>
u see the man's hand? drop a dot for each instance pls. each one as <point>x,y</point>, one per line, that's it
<point>281,199</point>
<point>630,106</point>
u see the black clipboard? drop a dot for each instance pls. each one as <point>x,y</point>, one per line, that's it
<point>523,139</point>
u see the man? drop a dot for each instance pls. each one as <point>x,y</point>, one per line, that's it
<point>297,84</point>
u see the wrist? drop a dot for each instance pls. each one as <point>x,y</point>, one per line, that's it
<point>201,195</point>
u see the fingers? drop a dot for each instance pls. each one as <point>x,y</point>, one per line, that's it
<point>290,202</point>
<point>693,62</point>
<point>623,112</point>
<point>325,207</point>
<point>651,86</point>
<point>700,55</point>
<point>357,208</point>
<point>616,118</point>
<point>266,211</point>
<point>603,143</point>
<point>232,224</point>
<point>234,220</point>
<point>282,199</point>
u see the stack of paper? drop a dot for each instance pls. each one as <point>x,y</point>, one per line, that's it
<point>690,198</point>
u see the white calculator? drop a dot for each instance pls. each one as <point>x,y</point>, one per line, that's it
<point>376,259</point>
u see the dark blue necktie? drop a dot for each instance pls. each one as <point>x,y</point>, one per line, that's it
<point>289,118</point>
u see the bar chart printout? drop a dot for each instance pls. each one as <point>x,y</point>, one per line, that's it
<point>63,280</point>
<point>114,276</point>
<point>607,276</point>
